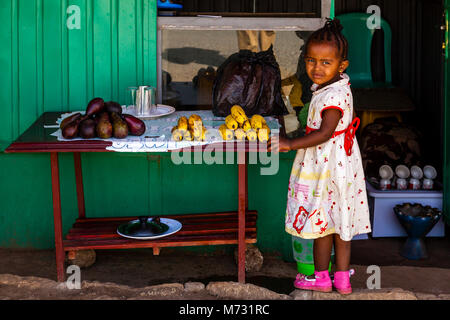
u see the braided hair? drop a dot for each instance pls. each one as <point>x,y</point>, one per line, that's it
<point>331,32</point>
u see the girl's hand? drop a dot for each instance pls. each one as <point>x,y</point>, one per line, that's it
<point>278,144</point>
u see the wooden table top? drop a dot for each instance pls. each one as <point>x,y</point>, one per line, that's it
<point>37,138</point>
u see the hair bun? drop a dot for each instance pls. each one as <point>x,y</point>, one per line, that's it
<point>334,24</point>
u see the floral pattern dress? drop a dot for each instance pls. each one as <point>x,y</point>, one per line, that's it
<point>327,191</point>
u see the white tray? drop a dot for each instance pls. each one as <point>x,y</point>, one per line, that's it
<point>161,110</point>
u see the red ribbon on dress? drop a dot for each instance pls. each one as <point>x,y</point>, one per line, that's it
<point>349,134</point>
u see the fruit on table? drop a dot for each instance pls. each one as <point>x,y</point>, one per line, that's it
<point>176,134</point>
<point>69,119</point>
<point>226,133</point>
<point>96,105</point>
<point>251,135</point>
<point>112,106</point>
<point>238,114</point>
<point>231,122</point>
<point>195,121</point>
<point>104,127</point>
<point>246,126</point>
<point>240,134</point>
<point>257,121</point>
<point>87,129</point>
<point>183,124</point>
<point>120,128</point>
<point>70,130</point>
<point>200,134</point>
<point>136,127</point>
<point>264,134</point>
<point>188,135</point>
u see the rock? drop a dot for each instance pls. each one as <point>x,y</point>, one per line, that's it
<point>243,291</point>
<point>253,258</point>
<point>367,294</point>
<point>426,296</point>
<point>163,290</point>
<point>83,258</point>
<point>301,295</point>
<point>194,286</point>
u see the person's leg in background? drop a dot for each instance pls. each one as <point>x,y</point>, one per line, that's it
<point>248,40</point>
<point>266,39</point>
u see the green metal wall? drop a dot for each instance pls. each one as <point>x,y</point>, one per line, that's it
<point>47,66</point>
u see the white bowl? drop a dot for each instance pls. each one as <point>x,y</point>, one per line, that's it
<point>386,172</point>
<point>429,172</point>
<point>402,171</point>
<point>416,172</point>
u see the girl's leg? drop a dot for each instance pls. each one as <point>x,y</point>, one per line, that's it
<point>343,252</point>
<point>322,252</point>
<point>321,280</point>
<point>342,274</point>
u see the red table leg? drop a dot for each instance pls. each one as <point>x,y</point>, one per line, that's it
<point>57,217</point>
<point>79,182</point>
<point>242,208</point>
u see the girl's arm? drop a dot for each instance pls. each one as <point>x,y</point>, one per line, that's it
<point>329,123</point>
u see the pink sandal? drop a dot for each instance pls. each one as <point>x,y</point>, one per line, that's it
<point>320,282</point>
<point>342,281</point>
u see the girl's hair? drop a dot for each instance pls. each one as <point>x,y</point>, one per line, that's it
<point>331,32</point>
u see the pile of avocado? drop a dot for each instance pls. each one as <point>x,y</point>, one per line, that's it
<point>103,120</point>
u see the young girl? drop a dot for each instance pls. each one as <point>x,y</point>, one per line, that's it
<point>327,198</point>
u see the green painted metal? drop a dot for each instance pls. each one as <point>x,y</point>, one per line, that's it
<point>53,59</point>
<point>446,131</point>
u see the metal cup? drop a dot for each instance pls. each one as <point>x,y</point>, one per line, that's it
<point>141,106</point>
<point>151,100</point>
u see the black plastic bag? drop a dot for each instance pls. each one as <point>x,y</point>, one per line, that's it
<point>251,80</point>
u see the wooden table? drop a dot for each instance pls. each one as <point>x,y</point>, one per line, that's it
<point>218,228</point>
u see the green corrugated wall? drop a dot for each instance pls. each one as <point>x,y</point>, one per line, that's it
<point>56,55</point>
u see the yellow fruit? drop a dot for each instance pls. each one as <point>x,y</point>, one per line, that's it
<point>188,135</point>
<point>246,126</point>
<point>238,114</point>
<point>257,121</point>
<point>183,124</point>
<point>251,135</point>
<point>203,133</point>
<point>226,133</point>
<point>264,134</point>
<point>195,121</point>
<point>231,122</point>
<point>176,134</point>
<point>239,133</point>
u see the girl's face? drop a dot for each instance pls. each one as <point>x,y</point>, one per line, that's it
<point>323,63</point>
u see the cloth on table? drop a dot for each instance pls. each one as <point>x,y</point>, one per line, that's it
<point>158,137</point>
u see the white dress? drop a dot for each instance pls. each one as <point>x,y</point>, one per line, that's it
<point>327,191</point>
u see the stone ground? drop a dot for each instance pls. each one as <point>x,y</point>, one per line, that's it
<point>186,275</point>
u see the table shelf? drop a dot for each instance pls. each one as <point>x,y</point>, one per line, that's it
<point>197,230</point>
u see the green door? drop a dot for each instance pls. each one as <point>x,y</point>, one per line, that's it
<point>446,176</point>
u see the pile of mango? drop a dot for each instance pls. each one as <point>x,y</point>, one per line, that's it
<point>103,120</point>
<point>189,129</point>
<point>238,125</point>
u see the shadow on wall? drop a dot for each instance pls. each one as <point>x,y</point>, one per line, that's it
<point>188,55</point>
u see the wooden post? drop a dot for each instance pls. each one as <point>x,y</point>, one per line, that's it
<point>79,183</point>
<point>242,208</point>
<point>57,217</point>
